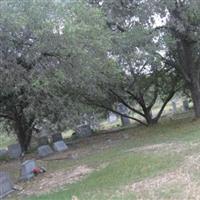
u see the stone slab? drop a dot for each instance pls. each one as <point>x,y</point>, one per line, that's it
<point>3,153</point>
<point>27,169</point>
<point>14,151</point>
<point>83,131</point>
<point>6,185</point>
<point>44,151</point>
<point>60,146</point>
<point>125,121</point>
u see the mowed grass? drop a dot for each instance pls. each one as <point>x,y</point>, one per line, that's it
<point>106,182</point>
<point>122,168</point>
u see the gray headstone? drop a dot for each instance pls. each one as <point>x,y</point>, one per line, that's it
<point>6,184</point>
<point>27,169</point>
<point>60,146</point>
<point>122,108</point>
<point>57,137</point>
<point>185,105</point>
<point>43,140</point>
<point>174,109</point>
<point>44,151</point>
<point>83,131</point>
<point>3,153</point>
<point>125,121</point>
<point>14,151</point>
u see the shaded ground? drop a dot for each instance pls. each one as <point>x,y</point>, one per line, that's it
<point>160,162</point>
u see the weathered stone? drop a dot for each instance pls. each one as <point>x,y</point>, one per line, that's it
<point>27,169</point>
<point>6,185</point>
<point>112,118</point>
<point>122,108</point>
<point>125,121</point>
<point>43,140</point>
<point>185,105</point>
<point>3,153</point>
<point>57,137</point>
<point>60,146</point>
<point>174,109</point>
<point>44,151</point>
<point>14,151</point>
<point>83,131</point>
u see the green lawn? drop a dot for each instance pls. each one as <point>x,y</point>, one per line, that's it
<point>124,167</point>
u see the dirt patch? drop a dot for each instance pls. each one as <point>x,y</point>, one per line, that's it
<point>55,180</point>
<point>182,177</point>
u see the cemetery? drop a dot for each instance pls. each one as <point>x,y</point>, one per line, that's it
<point>99,99</point>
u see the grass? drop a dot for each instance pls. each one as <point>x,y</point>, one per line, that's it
<point>122,168</point>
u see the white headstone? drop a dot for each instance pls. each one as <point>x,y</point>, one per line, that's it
<point>44,151</point>
<point>174,107</point>
<point>6,184</point>
<point>27,169</point>
<point>14,151</point>
<point>60,146</point>
<point>112,118</point>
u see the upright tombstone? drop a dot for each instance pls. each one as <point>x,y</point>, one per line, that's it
<point>60,146</point>
<point>44,140</point>
<point>56,137</point>
<point>14,151</point>
<point>44,151</point>
<point>124,110</point>
<point>6,185</point>
<point>125,121</point>
<point>112,117</point>
<point>27,169</point>
<point>174,109</point>
<point>3,153</point>
<point>185,105</point>
<point>83,131</point>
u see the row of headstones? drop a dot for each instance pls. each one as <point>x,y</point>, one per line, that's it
<point>26,173</point>
<point>112,117</point>
<point>26,170</point>
<point>185,106</point>
<point>46,146</point>
<point>58,143</point>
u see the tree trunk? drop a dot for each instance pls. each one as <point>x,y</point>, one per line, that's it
<point>196,101</point>
<point>149,118</point>
<point>24,132</point>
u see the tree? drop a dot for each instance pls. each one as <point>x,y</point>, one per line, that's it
<point>114,67</point>
<point>26,46</point>
<point>182,33</point>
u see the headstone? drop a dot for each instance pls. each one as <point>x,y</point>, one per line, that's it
<point>6,184</point>
<point>174,109</point>
<point>60,146</point>
<point>122,108</point>
<point>112,118</point>
<point>3,153</point>
<point>43,140</point>
<point>125,121</point>
<point>83,131</point>
<point>44,151</point>
<point>14,151</point>
<point>57,137</point>
<point>185,105</point>
<point>27,169</point>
